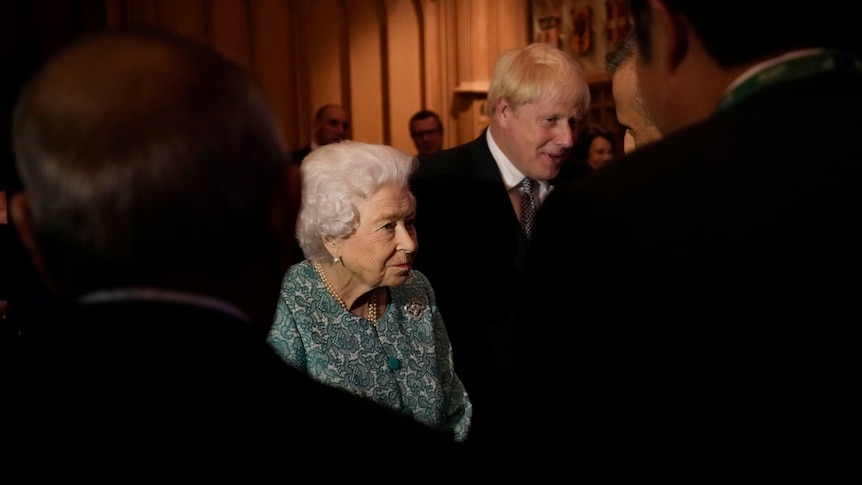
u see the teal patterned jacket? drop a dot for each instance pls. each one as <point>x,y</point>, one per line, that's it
<point>404,362</point>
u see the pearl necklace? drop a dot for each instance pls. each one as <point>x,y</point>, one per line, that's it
<point>372,302</point>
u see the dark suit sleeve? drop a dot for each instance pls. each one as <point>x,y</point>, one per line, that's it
<point>573,330</point>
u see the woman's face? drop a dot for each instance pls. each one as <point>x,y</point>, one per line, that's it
<point>381,250</point>
<point>601,151</point>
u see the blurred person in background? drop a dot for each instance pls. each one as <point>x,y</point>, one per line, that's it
<point>426,130</point>
<point>330,124</point>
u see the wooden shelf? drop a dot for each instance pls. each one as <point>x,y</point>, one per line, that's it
<point>480,87</point>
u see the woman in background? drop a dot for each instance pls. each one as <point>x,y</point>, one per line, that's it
<point>595,146</point>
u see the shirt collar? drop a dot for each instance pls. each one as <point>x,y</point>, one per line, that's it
<point>511,175</point>
<point>762,66</point>
<point>163,295</point>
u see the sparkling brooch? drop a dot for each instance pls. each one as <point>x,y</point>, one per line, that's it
<point>414,307</point>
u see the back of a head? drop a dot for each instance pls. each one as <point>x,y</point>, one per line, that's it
<point>736,32</point>
<point>538,71</point>
<point>335,178</point>
<point>145,154</point>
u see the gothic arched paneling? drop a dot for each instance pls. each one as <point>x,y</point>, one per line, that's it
<point>191,18</point>
<point>230,29</point>
<point>324,26</point>
<point>381,59</point>
<point>367,73</point>
<point>405,60</point>
<point>273,41</point>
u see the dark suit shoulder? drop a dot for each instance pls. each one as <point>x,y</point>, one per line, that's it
<point>296,156</point>
<point>144,390</point>
<point>453,161</point>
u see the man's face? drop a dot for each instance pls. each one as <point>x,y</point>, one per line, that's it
<point>427,135</point>
<point>333,127</point>
<point>631,113</point>
<point>537,136</point>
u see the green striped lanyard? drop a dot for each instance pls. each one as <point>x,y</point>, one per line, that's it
<point>803,67</point>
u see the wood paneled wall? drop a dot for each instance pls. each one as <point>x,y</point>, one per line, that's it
<point>381,59</point>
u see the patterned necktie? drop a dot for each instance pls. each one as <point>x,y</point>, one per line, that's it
<point>528,207</point>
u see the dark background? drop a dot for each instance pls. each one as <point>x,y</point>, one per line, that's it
<point>30,32</point>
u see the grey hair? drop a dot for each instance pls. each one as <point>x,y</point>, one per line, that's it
<point>336,178</point>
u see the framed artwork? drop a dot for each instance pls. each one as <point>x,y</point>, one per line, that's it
<point>587,29</point>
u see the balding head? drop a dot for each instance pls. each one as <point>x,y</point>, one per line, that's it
<point>331,125</point>
<point>143,155</point>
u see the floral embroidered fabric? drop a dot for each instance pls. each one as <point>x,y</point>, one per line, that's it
<point>404,362</point>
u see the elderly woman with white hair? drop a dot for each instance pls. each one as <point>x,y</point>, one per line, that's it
<point>354,314</point>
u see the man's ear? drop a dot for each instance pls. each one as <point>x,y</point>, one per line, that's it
<point>21,217</point>
<point>503,111</point>
<point>670,35</point>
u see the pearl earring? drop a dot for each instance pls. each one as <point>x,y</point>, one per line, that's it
<point>335,259</point>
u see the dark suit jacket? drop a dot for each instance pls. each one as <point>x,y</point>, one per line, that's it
<point>697,305</point>
<point>296,156</point>
<point>21,285</point>
<point>472,250</point>
<point>156,393</point>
